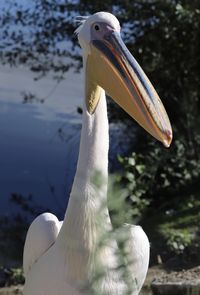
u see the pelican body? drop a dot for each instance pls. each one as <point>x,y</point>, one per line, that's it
<point>63,258</point>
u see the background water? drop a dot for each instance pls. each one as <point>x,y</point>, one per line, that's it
<point>33,156</point>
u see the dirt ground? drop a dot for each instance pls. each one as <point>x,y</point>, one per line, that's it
<point>153,273</point>
<point>161,275</point>
<point>187,276</point>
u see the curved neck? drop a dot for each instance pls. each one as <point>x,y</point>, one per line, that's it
<point>93,151</point>
<point>89,193</point>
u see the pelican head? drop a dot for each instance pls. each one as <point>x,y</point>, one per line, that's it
<point>110,65</point>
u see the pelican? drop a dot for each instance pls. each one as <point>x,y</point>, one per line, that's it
<point>63,258</point>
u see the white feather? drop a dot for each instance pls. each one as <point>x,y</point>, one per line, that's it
<point>137,251</point>
<point>80,20</point>
<point>40,237</point>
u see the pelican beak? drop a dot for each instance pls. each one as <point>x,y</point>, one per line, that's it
<point>119,74</point>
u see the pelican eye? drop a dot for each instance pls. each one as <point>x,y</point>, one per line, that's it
<point>97,27</point>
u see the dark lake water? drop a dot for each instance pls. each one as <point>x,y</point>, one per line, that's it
<point>34,157</point>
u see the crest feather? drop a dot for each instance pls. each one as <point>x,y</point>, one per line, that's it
<point>79,20</point>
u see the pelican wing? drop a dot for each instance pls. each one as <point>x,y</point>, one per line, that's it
<point>41,236</point>
<point>137,249</point>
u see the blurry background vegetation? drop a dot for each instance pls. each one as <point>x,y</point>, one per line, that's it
<point>162,186</point>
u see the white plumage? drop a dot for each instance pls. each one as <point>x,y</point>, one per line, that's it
<point>65,258</point>
<point>64,264</point>
<point>40,237</point>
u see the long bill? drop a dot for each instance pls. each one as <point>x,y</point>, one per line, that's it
<point>111,66</point>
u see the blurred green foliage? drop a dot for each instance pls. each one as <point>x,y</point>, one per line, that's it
<point>16,276</point>
<point>160,178</point>
<point>11,276</point>
<point>161,184</point>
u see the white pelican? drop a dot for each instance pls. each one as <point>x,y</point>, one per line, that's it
<point>61,258</point>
